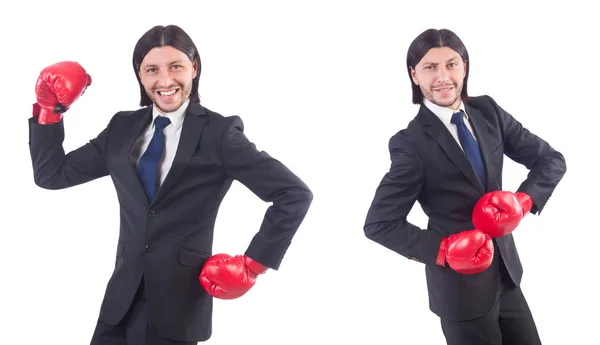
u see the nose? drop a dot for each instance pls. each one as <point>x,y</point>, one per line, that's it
<point>164,79</point>
<point>443,75</point>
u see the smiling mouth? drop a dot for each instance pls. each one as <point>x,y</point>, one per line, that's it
<point>167,93</point>
<point>445,89</point>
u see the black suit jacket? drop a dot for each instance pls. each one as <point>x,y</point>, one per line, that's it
<point>429,166</point>
<point>168,240</point>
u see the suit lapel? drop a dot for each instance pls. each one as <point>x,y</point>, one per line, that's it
<point>140,120</point>
<point>193,124</point>
<point>483,139</point>
<point>434,127</point>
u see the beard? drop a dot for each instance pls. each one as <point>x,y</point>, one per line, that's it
<point>435,97</point>
<point>164,106</point>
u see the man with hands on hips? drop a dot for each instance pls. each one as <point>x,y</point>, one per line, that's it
<point>449,159</point>
<point>172,162</point>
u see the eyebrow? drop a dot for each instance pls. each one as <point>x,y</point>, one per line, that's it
<point>176,62</point>
<point>435,63</point>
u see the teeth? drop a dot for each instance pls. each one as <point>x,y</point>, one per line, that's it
<point>167,93</point>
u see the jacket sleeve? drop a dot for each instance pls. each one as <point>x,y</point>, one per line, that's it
<point>272,182</point>
<point>52,168</point>
<point>546,165</point>
<point>395,196</point>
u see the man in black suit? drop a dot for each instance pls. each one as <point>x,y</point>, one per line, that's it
<point>172,162</point>
<point>448,159</point>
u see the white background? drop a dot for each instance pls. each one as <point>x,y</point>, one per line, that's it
<point>321,86</point>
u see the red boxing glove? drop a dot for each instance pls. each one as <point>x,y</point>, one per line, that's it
<point>498,213</point>
<point>227,277</point>
<point>468,252</point>
<point>57,88</point>
<point>526,202</point>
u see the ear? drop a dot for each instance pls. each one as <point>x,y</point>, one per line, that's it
<point>138,71</point>
<point>413,74</point>
<point>195,66</point>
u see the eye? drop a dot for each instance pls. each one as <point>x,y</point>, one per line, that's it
<point>453,64</point>
<point>151,70</point>
<point>176,67</point>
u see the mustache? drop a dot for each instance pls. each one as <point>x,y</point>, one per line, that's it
<point>172,86</point>
<point>443,86</point>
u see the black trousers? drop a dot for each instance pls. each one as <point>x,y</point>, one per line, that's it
<point>508,323</point>
<point>134,329</point>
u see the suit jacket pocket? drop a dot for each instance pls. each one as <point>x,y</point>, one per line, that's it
<point>498,147</point>
<point>192,258</point>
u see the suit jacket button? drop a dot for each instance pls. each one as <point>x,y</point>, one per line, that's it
<point>147,248</point>
<point>151,213</point>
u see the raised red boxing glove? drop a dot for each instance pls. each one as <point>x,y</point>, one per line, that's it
<point>468,252</point>
<point>227,277</point>
<point>57,88</point>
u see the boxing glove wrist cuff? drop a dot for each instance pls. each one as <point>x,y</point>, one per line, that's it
<point>526,201</point>
<point>45,116</point>
<point>254,266</point>
<point>441,258</point>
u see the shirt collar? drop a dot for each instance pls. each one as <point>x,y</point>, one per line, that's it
<point>445,114</point>
<point>176,116</point>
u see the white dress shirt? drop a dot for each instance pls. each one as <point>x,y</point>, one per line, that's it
<point>445,115</point>
<point>172,134</point>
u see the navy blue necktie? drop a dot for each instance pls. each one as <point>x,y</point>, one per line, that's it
<point>469,145</point>
<point>148,165</point>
